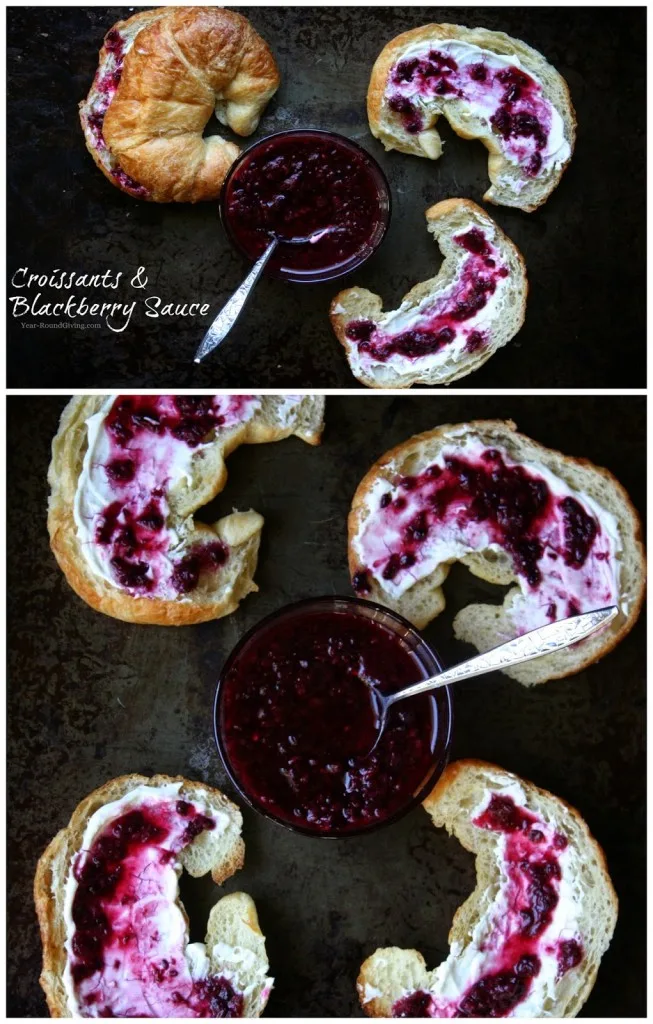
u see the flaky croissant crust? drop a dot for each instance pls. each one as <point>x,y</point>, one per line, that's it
<point>184,64</point>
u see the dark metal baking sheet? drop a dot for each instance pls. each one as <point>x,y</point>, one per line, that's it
<point>584,249</point>
<point>91,698</point>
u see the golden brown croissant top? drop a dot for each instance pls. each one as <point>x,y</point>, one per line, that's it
<point>161,76</point>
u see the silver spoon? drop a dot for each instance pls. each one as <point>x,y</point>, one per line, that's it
<point>535,644</point>
<point>232,309</point>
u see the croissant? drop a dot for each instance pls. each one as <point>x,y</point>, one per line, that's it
<point>488,86</point>
<point>558,531</point>
<point>529,940</point>
<point>120,947</point>
<point>161,75</point>
<point>170,569</point>
<point>445,327</point>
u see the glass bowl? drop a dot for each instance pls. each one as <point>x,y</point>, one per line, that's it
<point>344,187</point>
<point>414,750</point>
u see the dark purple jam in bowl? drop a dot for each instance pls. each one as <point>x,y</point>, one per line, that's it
<point>294,721</point>
<point>297,183</point>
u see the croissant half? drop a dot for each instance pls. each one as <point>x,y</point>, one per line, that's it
<point>161,75</point>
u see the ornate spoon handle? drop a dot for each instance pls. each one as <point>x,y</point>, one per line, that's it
<point>232,309</point>
<point>546,640</point>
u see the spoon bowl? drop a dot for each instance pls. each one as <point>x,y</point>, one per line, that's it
<point>314,236</point>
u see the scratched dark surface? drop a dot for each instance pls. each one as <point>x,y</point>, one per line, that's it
<point>584,249</point>
<point>91,698</point>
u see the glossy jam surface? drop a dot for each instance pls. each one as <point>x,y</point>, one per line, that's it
<point>570,954</point>
<point>461,503</point>
<point>187,418</point>
<point>496,995</point>
<point>508,99</point>
<point>126,950</point>
<point>523,930</point>
<point>106,85</point>
<point>417,1004</point>
<point>296,722</point>
<point>144,447</point>
<point>532,860</point>
<point>299,184</point>
<point>451,315</point>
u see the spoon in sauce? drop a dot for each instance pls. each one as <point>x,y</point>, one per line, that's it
<point>232,309</point>
<point>535,644</point>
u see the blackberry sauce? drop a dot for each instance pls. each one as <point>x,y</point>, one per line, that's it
<point>107,85</point>
<point>120,871</point>
<point>132,527</point>
<point>531,856</point>
<point>298,183</point>
<point>438,326</point>
<point>513,504</point>
<point>296,722</point>
<point>519,111</point>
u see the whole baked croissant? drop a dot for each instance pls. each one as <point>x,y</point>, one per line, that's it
<point>161,75</point>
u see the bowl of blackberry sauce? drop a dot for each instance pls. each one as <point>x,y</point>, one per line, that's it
<point>294,721</point>
<point>297,183</point>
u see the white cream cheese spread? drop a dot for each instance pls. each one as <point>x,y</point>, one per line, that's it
<point>563,545</point>
<point>117,45</point>
<point>140,451</point>
<point>491,91</point>
<point>527,936</point>
<point>126,934</point>
<point>444,327</point>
